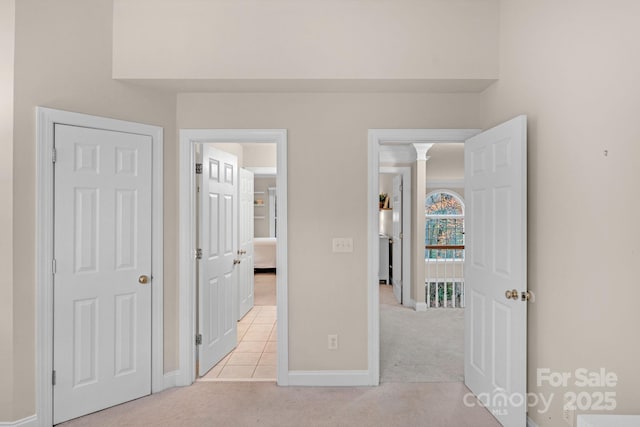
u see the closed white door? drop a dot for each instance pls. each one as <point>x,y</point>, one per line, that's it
<point>245,242</point>
<point>102,284</point>
<point>217,288</point>
<point>496,262</point>
<point>396,261</point>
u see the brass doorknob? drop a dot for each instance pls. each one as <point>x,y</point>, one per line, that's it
<point>143,280</point>
<point>512,294</point>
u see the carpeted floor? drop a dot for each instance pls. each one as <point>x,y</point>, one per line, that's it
<point>265,404</point>
<point>420,346</point>
<point>417,350</point>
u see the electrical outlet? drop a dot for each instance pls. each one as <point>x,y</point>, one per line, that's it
<point>342,244</point>
<point>332,342</point>
<point>568,409</point>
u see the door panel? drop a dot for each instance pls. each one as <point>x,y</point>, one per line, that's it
<point>245,237</point>
<point>102,244</point>
<point>397,237</point>
<point>496,261</point>
<point>217,288</point>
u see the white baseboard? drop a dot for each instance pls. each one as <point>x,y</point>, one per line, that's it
<point>329,378</point>
<point>31,421</point>
<point>421,306</point>
<point>530,423</point>
<point>411,303</point>
<point>170,379</point>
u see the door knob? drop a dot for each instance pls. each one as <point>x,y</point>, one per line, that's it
<point>143,280</point>
<point>236,261</point>
<point>513,294</point>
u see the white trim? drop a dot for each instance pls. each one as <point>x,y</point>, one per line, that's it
<point>376,138</point>
<point>188,139</point>
<point>421,306</point>
<point>31,421</point>
<point>170,379</point>
<point>407,230</point>
<point>530,422</point>
<point>329,378</point>
<point>397,154</point>
<point>260,172</point>
<point>46,118</point>
<point>445,183</point>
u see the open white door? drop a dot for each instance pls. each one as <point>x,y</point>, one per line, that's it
<point>102,281</point>
<point>495,363</point>
<point>245,237</point>
<point>396,261</point>
<point>217,287</point>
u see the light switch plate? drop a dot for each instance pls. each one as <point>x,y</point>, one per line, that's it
<point>342,244</point>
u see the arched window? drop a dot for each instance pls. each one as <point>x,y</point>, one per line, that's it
<point>444,213</point>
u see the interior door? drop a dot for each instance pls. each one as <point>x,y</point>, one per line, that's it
<point>396,237</point>
<point>102,280</point>
<point>496,262</point>
<point>245,237</point>
<point>217,287</point>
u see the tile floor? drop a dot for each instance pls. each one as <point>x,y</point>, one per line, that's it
<point>254,359</point>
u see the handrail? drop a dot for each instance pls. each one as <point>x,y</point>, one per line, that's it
<point>444,247</point>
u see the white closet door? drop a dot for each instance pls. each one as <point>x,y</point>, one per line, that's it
<point>102,285</point>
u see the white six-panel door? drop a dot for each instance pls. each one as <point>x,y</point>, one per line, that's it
<point>496,262</point>
<point>245,241</point>
<point>397,237</point>
<point>217,288</point>
<point>102,251</point>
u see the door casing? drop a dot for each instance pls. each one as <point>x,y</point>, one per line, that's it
<point>46,118</point>
<point>389,137</point>
<point>187,245</point>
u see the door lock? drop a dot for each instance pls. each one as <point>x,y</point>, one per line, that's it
<point>515,295</point>
<point>236,261</point>
<point>512,294</point>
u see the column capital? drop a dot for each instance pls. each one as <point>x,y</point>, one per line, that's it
<point>422,149</point>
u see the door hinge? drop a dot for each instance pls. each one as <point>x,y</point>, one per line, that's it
<point>198,253</point>
<point>53,377</point>
<point>54,155</point>
<point>53,266</point>
<point>199,339</point>
<point>401,235</point>
<point>198,168</point>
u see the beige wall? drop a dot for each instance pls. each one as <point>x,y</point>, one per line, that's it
<point>327,194</point>
<point>573,68</point>
<point>260,155</point>
<point>63,60</point>
<point>7,39</point>
<point>446,162</point>
<point>290,39</point>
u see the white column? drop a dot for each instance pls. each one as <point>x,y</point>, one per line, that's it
<point>420,186</point>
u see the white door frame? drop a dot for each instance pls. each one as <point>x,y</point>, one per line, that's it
<point>187,304</point>
<point>377,137</point>
<point>407,235</point>
<point>46,118</point>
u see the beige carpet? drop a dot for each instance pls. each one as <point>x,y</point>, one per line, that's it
<point>264,289</point>
<point>265,404</point>
<point>420,346</point>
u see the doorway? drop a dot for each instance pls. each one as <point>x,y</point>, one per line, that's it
<point>423,345</point>
<point>495,326</point>
<point>244,349</point>
<point>188,141</point>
